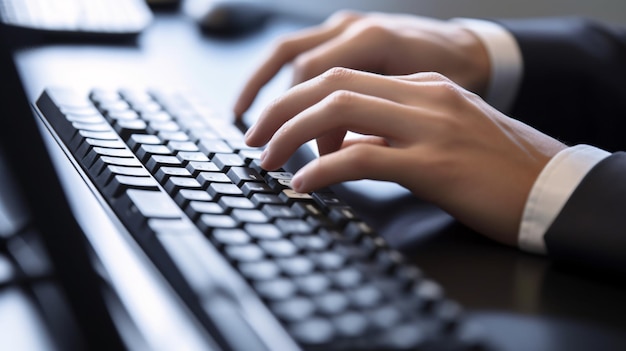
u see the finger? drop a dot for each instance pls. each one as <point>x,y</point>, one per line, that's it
<point>313,91</point>
<point>368,139</point>
<point>344,50</point>
<point>343,110</point>
<point>360,161</point>
<point>285,51</point>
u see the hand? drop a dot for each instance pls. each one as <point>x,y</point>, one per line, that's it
<point>423,131</point>
<point>379,43</point>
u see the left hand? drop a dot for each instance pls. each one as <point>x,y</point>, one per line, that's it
<point>391,44</point>
<point>423,131</point>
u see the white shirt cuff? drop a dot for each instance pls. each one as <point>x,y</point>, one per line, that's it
<point>554,186</point>
<point>506,61</point>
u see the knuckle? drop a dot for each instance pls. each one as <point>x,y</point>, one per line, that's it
<point>337,74</point>
<point>370,29</point>
<point>447,91</point>
<point>340,100</point>
<point>430,77</point>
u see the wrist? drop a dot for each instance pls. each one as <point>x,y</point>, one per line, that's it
<point>478,73</point>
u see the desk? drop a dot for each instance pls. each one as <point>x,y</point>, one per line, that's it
<point>524,302</point>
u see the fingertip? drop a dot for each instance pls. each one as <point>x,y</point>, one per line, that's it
<point>298,182</point>
<point>241,106</point>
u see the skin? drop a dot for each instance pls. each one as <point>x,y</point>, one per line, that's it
<point>430,133</point>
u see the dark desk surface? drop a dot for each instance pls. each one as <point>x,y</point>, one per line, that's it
<point>524,302</point>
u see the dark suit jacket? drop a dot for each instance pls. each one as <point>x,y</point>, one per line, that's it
<point>574,89</point>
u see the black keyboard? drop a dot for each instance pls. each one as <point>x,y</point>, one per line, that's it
<point>171,173</point>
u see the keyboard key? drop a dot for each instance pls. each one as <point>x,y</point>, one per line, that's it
<point>155,127</point>
<point>174,184</point>
<point>230,236</point>
<point>249,216</point>
<point>405,337</point>
<point>289,196</point>
<point>260,199</point>
<point>196,167</point>
<point>145,151</point>
<point>365,296</point>
<point>263,231</point>
<point>385,317</point>
<point>329,260</point>
<point>312,242</point>
<point>313,284</point>
<point>197,208</point>
<point>92,127</point>
<point>279,289</point>
<point>207,222</point>
<point>126,128</point>
<point>219,189</point>
<point>126,115</point>
<point>88,144</point>
<point>252,188</point>
<point>244,253</point>
<point>239,175</point>
<point>278,211</point>
<point>224,161</point>
<point>293,226</point>
<point>207,178</point>
<point>429,293</point>
<point>188,146</point>
<point>263,270</point>
<point>184,196</point>
<point>157,161</point>
<point>105,161</point>
<point>111,171</point>
<point>347,278</point>
<point>299,265</point>
<point>153,204</point>
<point>294,310</point>
<point>136,140</point>
<point>151,114</point>
<point>164,173</point>
<point>192,156</point>
<point>230,202</point>
<point>120,183</point>
<point>98,152</point>
<point>351,324</point>
<point>314,331</point>
<point>332,302</point>
<point>278,248</point>
<point>172,136</point>
<point>211,147</point>
<point>249,155</point>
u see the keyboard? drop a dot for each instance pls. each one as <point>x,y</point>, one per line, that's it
<point>77,17</point>
<point>172,171</point>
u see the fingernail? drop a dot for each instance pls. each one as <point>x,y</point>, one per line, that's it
<point>263,155</point>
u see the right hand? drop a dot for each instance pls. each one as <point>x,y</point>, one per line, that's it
<point>379,43</point>
<point>422,131</point>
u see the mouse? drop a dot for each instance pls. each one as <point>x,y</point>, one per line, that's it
<point>229,17</point>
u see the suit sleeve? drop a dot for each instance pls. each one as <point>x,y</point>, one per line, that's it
<point>574,80</point>
<point>591,227</point>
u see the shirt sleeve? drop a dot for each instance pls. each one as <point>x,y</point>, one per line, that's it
<point>565,171</point>
<point>555,184</point>
<point>506,61</point>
